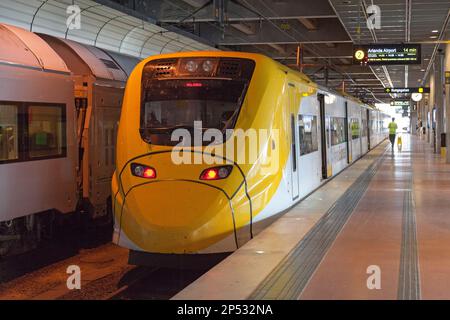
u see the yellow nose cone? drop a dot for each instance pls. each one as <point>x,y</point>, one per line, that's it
<point>176,216</point>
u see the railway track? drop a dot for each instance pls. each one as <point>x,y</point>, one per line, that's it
<point>159,284</point>
<point>105,275</point>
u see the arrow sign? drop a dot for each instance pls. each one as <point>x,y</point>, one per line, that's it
<point>407,90</point>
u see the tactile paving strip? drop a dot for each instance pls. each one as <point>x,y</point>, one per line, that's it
<point>291,276</point>
<point>409,282</point>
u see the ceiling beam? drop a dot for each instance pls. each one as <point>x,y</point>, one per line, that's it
<point>196,3</point>
<point>313,57</point>
<point>309,24</point>
<point>253,43</point>
<point>251,19</point>
<point>247,28</point>
<point>277,47</point>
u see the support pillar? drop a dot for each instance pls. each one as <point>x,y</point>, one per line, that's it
<point>431,104</point>
<point>439,98</point>
<point>447,100</point>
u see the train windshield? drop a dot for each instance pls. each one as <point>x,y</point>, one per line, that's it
<point>180,102</point>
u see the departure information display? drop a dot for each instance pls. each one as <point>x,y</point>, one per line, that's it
<point>387,54</point>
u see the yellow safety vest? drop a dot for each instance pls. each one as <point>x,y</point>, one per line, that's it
<point>392,128</point>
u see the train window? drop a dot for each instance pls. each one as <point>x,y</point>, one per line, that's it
<point>46,131</point>
<point>9,145</point>
<point>307,128</point>
<point>338,131</point>
<point>354,126</point>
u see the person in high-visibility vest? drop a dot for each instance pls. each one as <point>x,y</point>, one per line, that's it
<point>392,132</point>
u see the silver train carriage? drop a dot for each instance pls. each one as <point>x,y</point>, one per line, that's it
<point>59,108</point>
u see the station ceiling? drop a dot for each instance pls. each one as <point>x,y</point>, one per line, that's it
<point>325,29</point>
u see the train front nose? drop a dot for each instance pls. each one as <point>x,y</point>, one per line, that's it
<point>177,212</point>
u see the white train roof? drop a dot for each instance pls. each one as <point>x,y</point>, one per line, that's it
<point>23,48</point>
<point>100,64</point>
<point>100,26</point>
<point>126,62</point>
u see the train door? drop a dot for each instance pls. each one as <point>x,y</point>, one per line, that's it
<point>294,145</point>
<point>369,145</point>
<point>346,132</point>
<point>324,135</point>
<point>361,135</point>
<point>349,136</point>
<point>108,101</point>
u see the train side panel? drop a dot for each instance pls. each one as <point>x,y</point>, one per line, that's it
<point>46,178</point>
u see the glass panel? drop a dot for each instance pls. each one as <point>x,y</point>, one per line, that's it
<point>373,127</point>
<point>327,127</point>
<point>307,127</point>
<point>338,131</point>
<point>45,131</point>
<point>354,127</point>
<point>9,142</point>
<point>364,127</point>
<point>174,98</point>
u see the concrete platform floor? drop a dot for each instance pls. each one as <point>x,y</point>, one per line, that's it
<point>394,245</point>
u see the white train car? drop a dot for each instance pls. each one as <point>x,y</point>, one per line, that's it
<point>38,154</point>
<point>333,132</point>
<point>60,104</point>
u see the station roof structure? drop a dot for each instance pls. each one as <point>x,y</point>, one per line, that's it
<point>325,30</point>
<point>101,26</point>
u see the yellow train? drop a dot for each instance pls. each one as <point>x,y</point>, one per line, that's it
<point>225,189</point>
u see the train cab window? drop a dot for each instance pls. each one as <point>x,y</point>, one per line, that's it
<point>46,131</point>
<point>338,131</point>
<point>9,142</point>
<point>307,128</point>
<point>175,100</point>
<point>354,127</point>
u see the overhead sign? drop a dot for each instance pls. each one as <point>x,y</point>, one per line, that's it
<point>400,103</point>
<point>407,90</point>
<point>387,54</point>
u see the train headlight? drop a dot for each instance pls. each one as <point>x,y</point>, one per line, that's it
<point>216,173</point>
<point>191,66</point>
<point>208,66</point>
<point>143,171</point>
<point>197,67</point>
